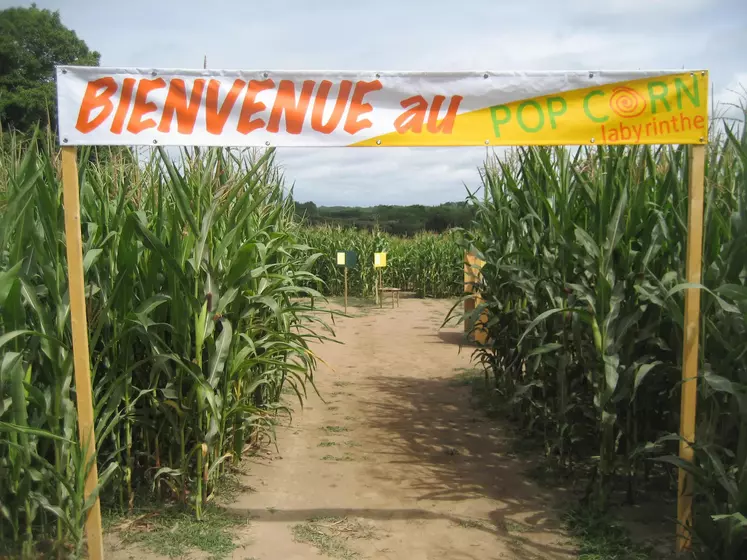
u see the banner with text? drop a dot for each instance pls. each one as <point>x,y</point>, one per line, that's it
<point>129,106</point>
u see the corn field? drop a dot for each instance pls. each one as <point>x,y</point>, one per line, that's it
<point>197,321</point>
<point>428,264</point>
<point>584,282</point>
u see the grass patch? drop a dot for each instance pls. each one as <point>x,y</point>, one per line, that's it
<point>346,457</point>
<point>327,444</point>
<point>351,443</point>
<point>466,377</point>
<point>229,487</point>
<point>330,535</point>
<point>471,524</point>
<point>515,527</point>
<point>601,538</point>
<point>335,429</point>
<point>174,532</point>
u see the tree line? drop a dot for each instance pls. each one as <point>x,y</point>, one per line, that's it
<point>397,220</point>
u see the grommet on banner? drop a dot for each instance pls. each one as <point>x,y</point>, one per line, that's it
<point>702,72</point>
<point>592,140</point>
<point>154,73</point>
<point>64,71</point>
<point>487,142</point>
<point>64,140</point>
<point>591,74</point>
<point>267,143</point>
<point>378,75</point>
<point>155,141</point>
<point>485,75</point>
<point>265,75</point>
<point>378,142</point>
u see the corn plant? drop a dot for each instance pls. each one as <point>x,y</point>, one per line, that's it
<point>197,314</point>
<point>427,264</point>
<point>583,282</point>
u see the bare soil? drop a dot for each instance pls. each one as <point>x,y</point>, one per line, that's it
<point>394,463</point>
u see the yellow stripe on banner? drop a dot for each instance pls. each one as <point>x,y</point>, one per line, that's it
<point>668,109</point>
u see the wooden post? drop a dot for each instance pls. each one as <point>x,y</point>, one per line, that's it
<point>376,287</point>
<point>381,286</point>
<point>346,289</point>
<point>71,194</point>
<point>469,303</point>
<point>691,330</point>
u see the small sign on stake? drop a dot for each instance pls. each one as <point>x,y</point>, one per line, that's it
<point>379,260</point>
<point>348,259</point>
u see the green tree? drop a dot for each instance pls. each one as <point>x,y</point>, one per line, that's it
<point>32,42</point>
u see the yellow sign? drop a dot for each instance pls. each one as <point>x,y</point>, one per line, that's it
<point>379,260</point>
<point>341,258</point>
<point>666,109</point>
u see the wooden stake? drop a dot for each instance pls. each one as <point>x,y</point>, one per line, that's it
<point>71,193</point>
<point>690,343</point>
<point>346,290</point>
<point>381,286</point>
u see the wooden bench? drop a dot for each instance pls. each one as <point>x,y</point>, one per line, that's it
<point>395,295</point>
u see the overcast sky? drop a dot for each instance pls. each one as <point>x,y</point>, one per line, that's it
<point>411,35</point>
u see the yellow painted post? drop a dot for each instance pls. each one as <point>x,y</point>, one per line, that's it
<point>472,268</point>
<point>469,303</point>
<point>71,194</point>
<point>690,343</point>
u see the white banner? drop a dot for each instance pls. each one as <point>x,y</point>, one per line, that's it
<point>135,106</point>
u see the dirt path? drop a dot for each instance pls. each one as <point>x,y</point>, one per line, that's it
<point>396,462</point>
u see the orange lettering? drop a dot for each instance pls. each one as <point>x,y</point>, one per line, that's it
<point>92,100</point>
<point>414,117</point>
<point>215,118</point>
<point>128,84</point>
<point>447,124</point>
<point>698,121</point>
<point>358,108</point>
<point>251,106</point>
<point>142,107</point>
<point>317,113</point>
<point>176,103</point>
<point>295,112</point>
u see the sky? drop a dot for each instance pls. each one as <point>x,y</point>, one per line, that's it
<point>431,35</point>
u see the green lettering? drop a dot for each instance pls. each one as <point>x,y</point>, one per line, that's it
<point>693,95</point>
<point>520,118</point>
<point>496,122</point>
<point>661,96</point>
<point>588,111</point>
<point>552,113</point>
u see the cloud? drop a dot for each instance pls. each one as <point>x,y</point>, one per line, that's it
<point>397,35</point>
<point>369,176</point>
